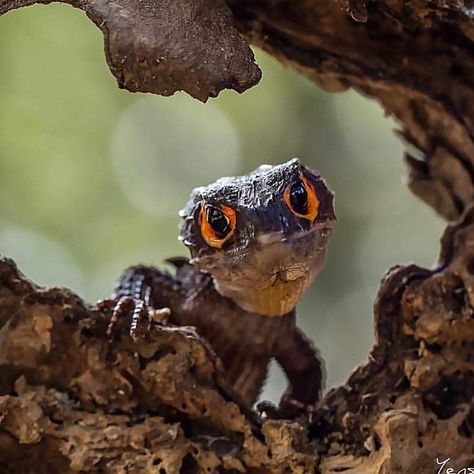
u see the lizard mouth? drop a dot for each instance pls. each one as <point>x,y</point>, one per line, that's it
<point>275,299</point>
<point>271,276</point>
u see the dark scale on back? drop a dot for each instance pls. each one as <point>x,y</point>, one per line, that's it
<point>257,242</point>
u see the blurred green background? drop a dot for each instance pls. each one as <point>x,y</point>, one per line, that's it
<point>92,178</point>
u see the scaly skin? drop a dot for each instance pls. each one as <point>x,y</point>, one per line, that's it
<point>241,285</point>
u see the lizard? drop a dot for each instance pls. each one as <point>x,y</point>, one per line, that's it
<point>256,242</point>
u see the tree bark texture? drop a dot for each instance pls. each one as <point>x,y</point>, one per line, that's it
<point>72,401</point>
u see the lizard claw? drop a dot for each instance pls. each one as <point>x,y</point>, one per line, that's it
<point>138,308</point>
<point>159,315</point>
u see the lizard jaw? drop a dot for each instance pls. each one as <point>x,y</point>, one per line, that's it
<point>271,279</point>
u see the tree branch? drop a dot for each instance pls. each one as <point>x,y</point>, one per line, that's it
<point>163,46</point>
<point>415,58</point>
<point>71,400</point>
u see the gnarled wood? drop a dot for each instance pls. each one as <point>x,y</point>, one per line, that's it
<point>163,46</point>
<point>415,58</point>
<point>70,400</point>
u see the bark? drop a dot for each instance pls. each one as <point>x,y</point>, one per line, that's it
<point>72,401</point>
<point>162,46</point>
<point>415,58</point>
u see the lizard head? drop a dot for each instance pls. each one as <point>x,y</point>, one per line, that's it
<point>262,236</point>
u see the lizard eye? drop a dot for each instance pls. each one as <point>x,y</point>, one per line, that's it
<point>217,224</point>
<point>301,198</point>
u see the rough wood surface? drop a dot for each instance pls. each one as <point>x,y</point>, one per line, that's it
<point>162,46</point>
<point>416,58</point>
<point>71,401</point>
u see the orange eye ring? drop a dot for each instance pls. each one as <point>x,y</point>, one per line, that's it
<point>301,199</point>
<point>217,224</point>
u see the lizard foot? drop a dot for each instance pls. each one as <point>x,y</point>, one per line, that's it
<point>139,310</point>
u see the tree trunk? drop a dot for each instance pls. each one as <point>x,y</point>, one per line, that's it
<point>71,401</point>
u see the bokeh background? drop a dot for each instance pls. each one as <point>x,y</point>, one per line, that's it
<point>92,178</point>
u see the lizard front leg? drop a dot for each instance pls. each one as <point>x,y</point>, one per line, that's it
<point>299,359</point>
<point>138,293</point>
